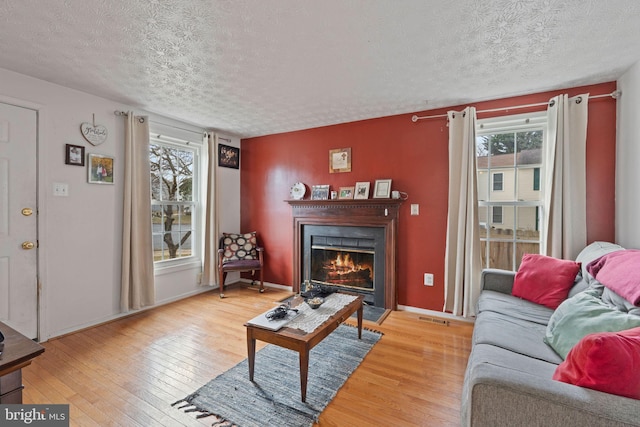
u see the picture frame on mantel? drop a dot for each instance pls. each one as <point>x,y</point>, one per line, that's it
<point>340,160</point>
<point>346,193</point>
<point>362,190</point>
<point>382,189</point>
<point>320,192</point>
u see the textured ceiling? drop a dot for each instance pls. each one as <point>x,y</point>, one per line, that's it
<point>260,67</point>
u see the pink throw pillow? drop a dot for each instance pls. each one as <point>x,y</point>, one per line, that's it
<point>605,361</point>
<point>544,280</point>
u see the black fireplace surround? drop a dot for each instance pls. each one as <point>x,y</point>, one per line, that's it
<point>348,241</point>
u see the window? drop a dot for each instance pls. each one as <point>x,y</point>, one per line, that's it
<point>509,162</point>
<point>175,206</point>
<point>498,179</point>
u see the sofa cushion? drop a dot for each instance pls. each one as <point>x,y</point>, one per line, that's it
<point>513,334</point>
<point>514,307</point>
<point>592,252</point>
<point>545,280</point>
<point>606,361</point>
<point>498,356</point>
<point>620,272</point>
<point>581,315</point>
<point>239,246</point>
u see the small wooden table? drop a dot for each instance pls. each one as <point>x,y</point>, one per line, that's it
<point>300,341</point>
<point>18,351</point>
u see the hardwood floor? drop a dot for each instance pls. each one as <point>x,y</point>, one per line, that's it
<point>128,372</point>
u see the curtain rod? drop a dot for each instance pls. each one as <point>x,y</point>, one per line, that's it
<point>615,95</point>
<point>124,113</point>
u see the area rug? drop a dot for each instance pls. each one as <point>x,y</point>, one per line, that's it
<point>273,399</point>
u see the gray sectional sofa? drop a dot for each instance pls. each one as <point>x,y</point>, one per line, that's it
<point>509,382</point>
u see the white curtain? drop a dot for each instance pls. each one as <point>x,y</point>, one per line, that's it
<point>211,228</point>
<point>565,221</point>
<point>463,263</point>
<point>138,289</point>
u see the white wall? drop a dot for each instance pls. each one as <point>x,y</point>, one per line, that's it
<point>628,160</point>
<point>80,235</point>
<point>229,200</point>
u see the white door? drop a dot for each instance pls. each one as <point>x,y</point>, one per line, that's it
<point>18,219</point>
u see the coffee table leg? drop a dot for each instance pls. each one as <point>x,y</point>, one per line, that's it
<point>251,352</point>
<point>360,310</point>
<point>304,373</point>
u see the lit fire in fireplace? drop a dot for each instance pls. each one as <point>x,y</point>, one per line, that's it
<point>343,268</point>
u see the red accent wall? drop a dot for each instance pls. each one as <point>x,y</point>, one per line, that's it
<point>415,157</point>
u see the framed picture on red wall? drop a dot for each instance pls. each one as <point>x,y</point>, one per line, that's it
<point>340,160</point>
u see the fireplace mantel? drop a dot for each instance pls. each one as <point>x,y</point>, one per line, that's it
<point>382,213</point>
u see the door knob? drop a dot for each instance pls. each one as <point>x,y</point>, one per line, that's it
<point>28,245</point>
<point>27,211</point>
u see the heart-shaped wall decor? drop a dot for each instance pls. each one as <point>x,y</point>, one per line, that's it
<point>95,134</point>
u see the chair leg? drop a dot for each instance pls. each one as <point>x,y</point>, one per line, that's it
<point>261,281</point>
<point>222,277</point>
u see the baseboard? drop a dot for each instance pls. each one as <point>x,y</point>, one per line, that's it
<point>119,316</point>
<point>436,314</point>
<point>268,285</point>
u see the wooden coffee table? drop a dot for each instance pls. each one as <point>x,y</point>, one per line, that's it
<point>300,341</point>
<point>16,352</point>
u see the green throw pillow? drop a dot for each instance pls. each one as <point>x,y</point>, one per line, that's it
<point>581,315</point>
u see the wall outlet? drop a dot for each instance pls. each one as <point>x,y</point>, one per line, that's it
<point>415,209</point>
<point>428,279</point>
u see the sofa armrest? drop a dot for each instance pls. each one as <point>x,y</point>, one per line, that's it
<point>493,279</point>
<point>497,396</point>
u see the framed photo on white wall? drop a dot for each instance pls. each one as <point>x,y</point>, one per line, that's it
<point>100,170</point>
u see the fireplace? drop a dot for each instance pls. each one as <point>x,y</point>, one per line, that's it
<point>350,258</point>
<point>349,244</point>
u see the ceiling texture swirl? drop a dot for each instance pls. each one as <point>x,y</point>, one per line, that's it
<point>251,68</point>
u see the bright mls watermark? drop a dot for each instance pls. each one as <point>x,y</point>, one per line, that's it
<point>34,415</point>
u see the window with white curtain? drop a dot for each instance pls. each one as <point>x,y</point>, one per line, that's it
<point>175,200</point>
<point>509,160</point>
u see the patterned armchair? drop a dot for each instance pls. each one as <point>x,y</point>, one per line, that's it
<point>239,252</point>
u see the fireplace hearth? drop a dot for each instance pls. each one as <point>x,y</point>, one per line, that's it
<point>348,244</point>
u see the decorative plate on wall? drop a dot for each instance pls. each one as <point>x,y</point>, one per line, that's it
<point>297,191</point>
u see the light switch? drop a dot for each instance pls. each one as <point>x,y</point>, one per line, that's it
<point>415,209</point>
<point>60,189</point>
